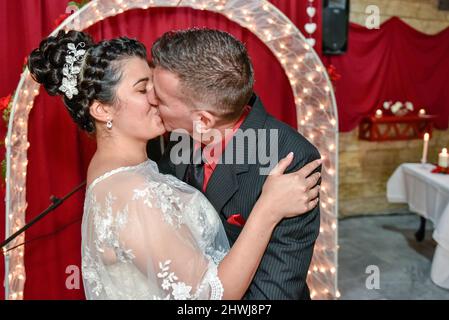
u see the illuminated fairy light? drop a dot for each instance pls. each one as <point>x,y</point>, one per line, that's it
<point>300,63</point>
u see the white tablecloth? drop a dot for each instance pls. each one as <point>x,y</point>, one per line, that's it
<point>428,195</point>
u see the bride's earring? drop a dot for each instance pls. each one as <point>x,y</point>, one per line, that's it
<point>109,124</point>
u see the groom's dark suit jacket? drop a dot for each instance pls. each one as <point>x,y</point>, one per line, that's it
<point>234,189</point>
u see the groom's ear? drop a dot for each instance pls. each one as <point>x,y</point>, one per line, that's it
<point>100,111</point>
<point>204,119</point>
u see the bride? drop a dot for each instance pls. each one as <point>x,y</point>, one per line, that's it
<point>146,235</point>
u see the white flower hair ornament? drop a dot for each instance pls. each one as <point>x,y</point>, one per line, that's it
<point>71,69</point>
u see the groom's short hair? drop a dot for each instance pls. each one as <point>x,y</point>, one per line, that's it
<point>214,69</point>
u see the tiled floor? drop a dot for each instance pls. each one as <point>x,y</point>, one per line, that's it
<point>388,243</point>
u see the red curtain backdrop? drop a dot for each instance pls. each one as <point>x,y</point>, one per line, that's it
<point>395,63</point>
<point>59,152</point>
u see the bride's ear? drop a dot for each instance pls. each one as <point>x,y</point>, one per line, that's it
<point>100,112</point>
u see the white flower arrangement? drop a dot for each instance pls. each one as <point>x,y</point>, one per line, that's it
<point>398,108</point>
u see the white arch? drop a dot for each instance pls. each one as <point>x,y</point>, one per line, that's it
<point>316,115</point>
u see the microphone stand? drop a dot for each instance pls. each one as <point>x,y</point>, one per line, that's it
<point>56,202</point>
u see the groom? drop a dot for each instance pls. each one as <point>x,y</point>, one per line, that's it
<point>203,86</point>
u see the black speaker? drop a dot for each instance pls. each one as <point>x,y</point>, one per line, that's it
<point>335,26</point>
<point>443,5</point>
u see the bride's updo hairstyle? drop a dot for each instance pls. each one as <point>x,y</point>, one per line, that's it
<point>81,71</point>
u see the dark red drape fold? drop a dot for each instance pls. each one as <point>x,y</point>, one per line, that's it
<point>59,152</point>
<point>394,63</point>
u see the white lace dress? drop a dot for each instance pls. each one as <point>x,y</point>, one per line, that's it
<point>146,235</point>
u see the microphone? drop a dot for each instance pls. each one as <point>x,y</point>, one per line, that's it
<point>55,202</point>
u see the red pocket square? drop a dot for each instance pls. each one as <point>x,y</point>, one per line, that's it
<point>236,219</point>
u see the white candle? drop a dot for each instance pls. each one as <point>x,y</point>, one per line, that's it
<point>379,113</point>
<point>425,148</point>
<point>422,112</point>
<point>443,159</point>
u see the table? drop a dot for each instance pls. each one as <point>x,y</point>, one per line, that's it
<point>388,127</point>
<point>427,194</point>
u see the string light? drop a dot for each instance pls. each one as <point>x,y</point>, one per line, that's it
<point>316,96</point>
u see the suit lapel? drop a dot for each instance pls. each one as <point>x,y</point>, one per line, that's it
<point>222,186</point>
<point>181,170</point>
<point>223,183</point>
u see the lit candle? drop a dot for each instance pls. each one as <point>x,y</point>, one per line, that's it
<point>422,112</point>
<point>378,113</point>
<point>443,158</point>
<point>425,148</point>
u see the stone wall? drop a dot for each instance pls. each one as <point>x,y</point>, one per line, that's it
<point>366,166</point>
<point>423,15</point>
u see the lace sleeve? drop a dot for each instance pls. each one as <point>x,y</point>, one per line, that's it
<point>146,243</point>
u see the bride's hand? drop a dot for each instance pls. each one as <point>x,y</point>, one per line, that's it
<point>291,194</point>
